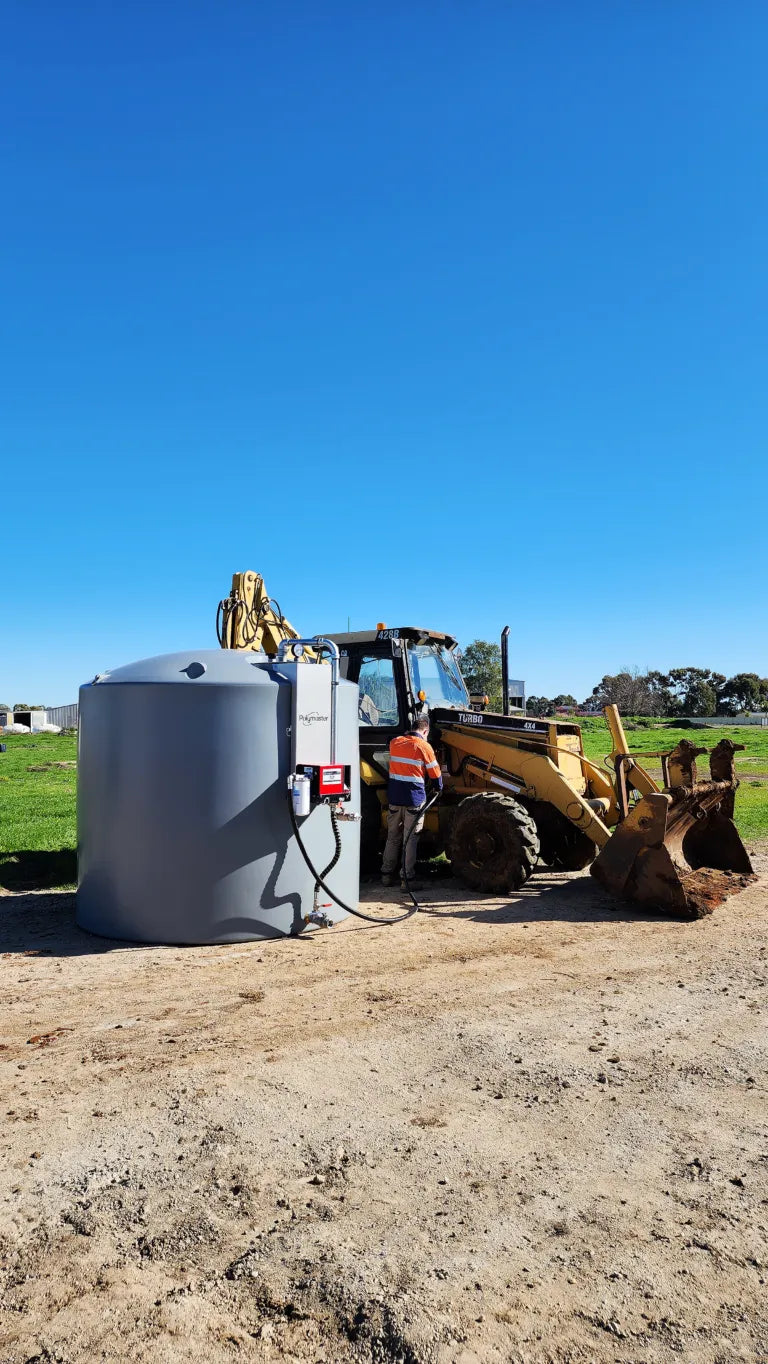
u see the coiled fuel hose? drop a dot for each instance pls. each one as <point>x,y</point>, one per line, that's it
<point>358,913</point>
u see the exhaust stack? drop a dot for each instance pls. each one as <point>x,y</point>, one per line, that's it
<point>505,670</point>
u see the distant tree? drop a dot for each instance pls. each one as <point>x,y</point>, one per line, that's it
<point>740,693</point>
<point>539,705</point>
<point>631,691</point>
<point>481,670</point>
<point>684,682</point>
<point>662,697</point>
<point>682,679</point>
<point>22,705</point>
<point>700,700</point>
<point>4,706</point>
<point>565,699</point>
<point>681,691</point>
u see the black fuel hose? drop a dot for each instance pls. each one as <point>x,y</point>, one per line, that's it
<point>358,913</point>
<point>420,810</point>
<point>336,851</point>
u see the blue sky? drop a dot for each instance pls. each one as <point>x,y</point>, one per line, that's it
<point>438,313</point>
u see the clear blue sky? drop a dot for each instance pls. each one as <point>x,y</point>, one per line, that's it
<point>445,313</point>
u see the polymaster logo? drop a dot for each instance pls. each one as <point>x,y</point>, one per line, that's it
<point>313,717</point>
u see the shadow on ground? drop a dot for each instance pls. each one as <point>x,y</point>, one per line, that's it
<point>43,925</point>
<point>547,897</point>
<point>30,870</point>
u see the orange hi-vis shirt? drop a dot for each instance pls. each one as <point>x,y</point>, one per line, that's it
<point>411,761</point>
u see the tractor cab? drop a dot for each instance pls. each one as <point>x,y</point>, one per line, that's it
<point>399,673</point>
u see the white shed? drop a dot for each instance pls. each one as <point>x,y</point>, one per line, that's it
<point>33,719</point>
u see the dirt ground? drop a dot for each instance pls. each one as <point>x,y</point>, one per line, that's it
<point>522,1130</point>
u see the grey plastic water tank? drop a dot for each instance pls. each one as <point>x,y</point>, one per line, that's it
<point>184,834</point>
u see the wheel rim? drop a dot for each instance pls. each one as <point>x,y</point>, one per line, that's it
<point>482,847</point>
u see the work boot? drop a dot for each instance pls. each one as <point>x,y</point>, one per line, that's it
<point>387,880</point>
<point>412,885</point>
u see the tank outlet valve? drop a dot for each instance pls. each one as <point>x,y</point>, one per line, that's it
<point>299,787</point>
<point>319,919</point>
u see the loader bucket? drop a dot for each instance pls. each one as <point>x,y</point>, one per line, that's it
<point>678,851</point>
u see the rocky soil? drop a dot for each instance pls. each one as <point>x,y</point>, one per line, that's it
<point>522,1130</point>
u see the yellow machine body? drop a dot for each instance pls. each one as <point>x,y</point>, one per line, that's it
<point>518,790</point>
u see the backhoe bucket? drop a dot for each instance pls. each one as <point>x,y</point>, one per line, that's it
<point>678,850</point>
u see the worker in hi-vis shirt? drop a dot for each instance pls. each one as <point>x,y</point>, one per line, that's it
<point>411,761</point>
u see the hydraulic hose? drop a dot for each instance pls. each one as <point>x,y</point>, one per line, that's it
<point>358,913</point>
<point>230,612</point>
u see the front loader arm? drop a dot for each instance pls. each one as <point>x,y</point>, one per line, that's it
<point>532,775</point>
<point>629,774</point>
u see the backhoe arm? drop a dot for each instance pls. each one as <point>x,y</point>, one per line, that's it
<point>249,619</point>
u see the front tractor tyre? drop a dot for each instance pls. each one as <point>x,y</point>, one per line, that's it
<point>493,844</point>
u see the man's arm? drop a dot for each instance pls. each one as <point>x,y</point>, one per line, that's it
<point>432,765</point>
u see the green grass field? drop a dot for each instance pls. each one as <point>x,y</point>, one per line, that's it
<point>37,808</point>
<point>751,765</point>
<point>37,811</point>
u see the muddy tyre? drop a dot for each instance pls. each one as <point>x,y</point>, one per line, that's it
<point>493,844</point>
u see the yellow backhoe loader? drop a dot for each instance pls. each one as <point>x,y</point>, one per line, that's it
<point>519,790</point>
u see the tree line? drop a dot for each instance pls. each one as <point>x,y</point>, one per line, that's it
<point>681,691</point>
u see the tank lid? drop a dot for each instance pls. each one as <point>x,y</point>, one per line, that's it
<point>195,666</point>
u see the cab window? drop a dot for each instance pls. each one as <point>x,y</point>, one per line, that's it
<point>378,697</point>
<point>435,672</point>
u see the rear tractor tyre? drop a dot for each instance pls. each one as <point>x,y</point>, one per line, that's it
<point>493,844</point>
